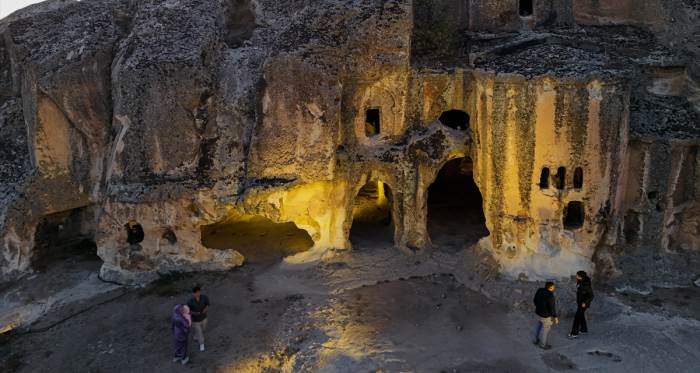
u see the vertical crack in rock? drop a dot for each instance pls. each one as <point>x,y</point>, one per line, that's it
<point>611,116</point>
<point>498,157</point>
<point>525,140</point>
<point>577,128</point>
<point>563,107</point>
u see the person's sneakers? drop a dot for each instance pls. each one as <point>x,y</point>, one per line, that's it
<point>584,333</point>
<point>546,347</point>
<point>201,347</point>
<point>176,359</point>
<point>572,336</point>
<point>185,360</point>
<point>536,342</point>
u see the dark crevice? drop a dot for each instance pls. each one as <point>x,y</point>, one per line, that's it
<point>632,226</point>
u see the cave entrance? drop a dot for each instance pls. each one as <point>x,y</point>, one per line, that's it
<point>258,239</point>
<point>372,224</point>
<point>66,239</point>
<point>455,210</point>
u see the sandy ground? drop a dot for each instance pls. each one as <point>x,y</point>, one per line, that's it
<point>372,309</point>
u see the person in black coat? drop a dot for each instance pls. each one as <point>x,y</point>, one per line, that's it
<point>546,310</point>
<point>584,297</point>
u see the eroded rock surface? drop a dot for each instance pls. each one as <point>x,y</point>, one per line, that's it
<point>581,130</point>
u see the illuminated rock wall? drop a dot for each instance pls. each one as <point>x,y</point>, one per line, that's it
<point>524,127</point>
<point>187,113</point>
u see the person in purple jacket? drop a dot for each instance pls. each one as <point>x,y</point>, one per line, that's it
<point>181,324</point>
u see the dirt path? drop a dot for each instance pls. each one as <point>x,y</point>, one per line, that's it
<point>370,310</point>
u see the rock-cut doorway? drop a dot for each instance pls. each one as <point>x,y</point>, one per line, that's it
<point>455,207</point>
<point>372,223</point>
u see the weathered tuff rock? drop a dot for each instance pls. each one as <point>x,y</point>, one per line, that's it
<point>180,114</point>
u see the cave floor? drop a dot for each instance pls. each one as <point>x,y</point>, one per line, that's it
<point>368,310</point>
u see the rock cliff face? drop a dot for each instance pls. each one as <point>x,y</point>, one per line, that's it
<point>577,121</point>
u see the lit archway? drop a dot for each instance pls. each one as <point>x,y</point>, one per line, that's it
<point>372,223</point>
<point>455,207</point>
<point>258,239</point>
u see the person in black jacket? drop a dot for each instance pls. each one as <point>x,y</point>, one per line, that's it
<point>584,297</point>
<point>546,310</point>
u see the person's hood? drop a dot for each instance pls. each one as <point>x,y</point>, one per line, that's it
<point>177,310</point>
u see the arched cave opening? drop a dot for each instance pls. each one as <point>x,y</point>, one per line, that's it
<point>456,119</point>
<point>258,239</point>
<point>455,207</point>
<point>371,216</point>
<point>67,239</point>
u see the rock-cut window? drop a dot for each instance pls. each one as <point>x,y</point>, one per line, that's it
<point>372,122</point>
<point>525,8</point>
<point>578,178</point>
<point>544,178</point>
<point>560,178</point>
<point>574,215</point>
<point>456,119</point>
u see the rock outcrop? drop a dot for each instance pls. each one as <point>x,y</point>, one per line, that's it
<point>578,122</point>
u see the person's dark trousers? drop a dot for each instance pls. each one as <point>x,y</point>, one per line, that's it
<point>579,321</point>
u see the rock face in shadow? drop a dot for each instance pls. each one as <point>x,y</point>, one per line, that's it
<point>581,127</point>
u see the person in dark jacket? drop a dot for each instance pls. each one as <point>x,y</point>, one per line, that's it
<point>546,310</point>
<point>199,306</point>
<point>180,326</point>
<point>584,297</point>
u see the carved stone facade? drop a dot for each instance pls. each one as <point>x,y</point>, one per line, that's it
<point>581,130</point>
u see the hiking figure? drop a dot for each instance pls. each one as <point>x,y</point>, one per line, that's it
<point>180,325</point>
<point>584,297</point>
<point>199,305</point>
<point>546,310</point>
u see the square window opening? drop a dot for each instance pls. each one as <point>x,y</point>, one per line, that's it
<point>574,215</point>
